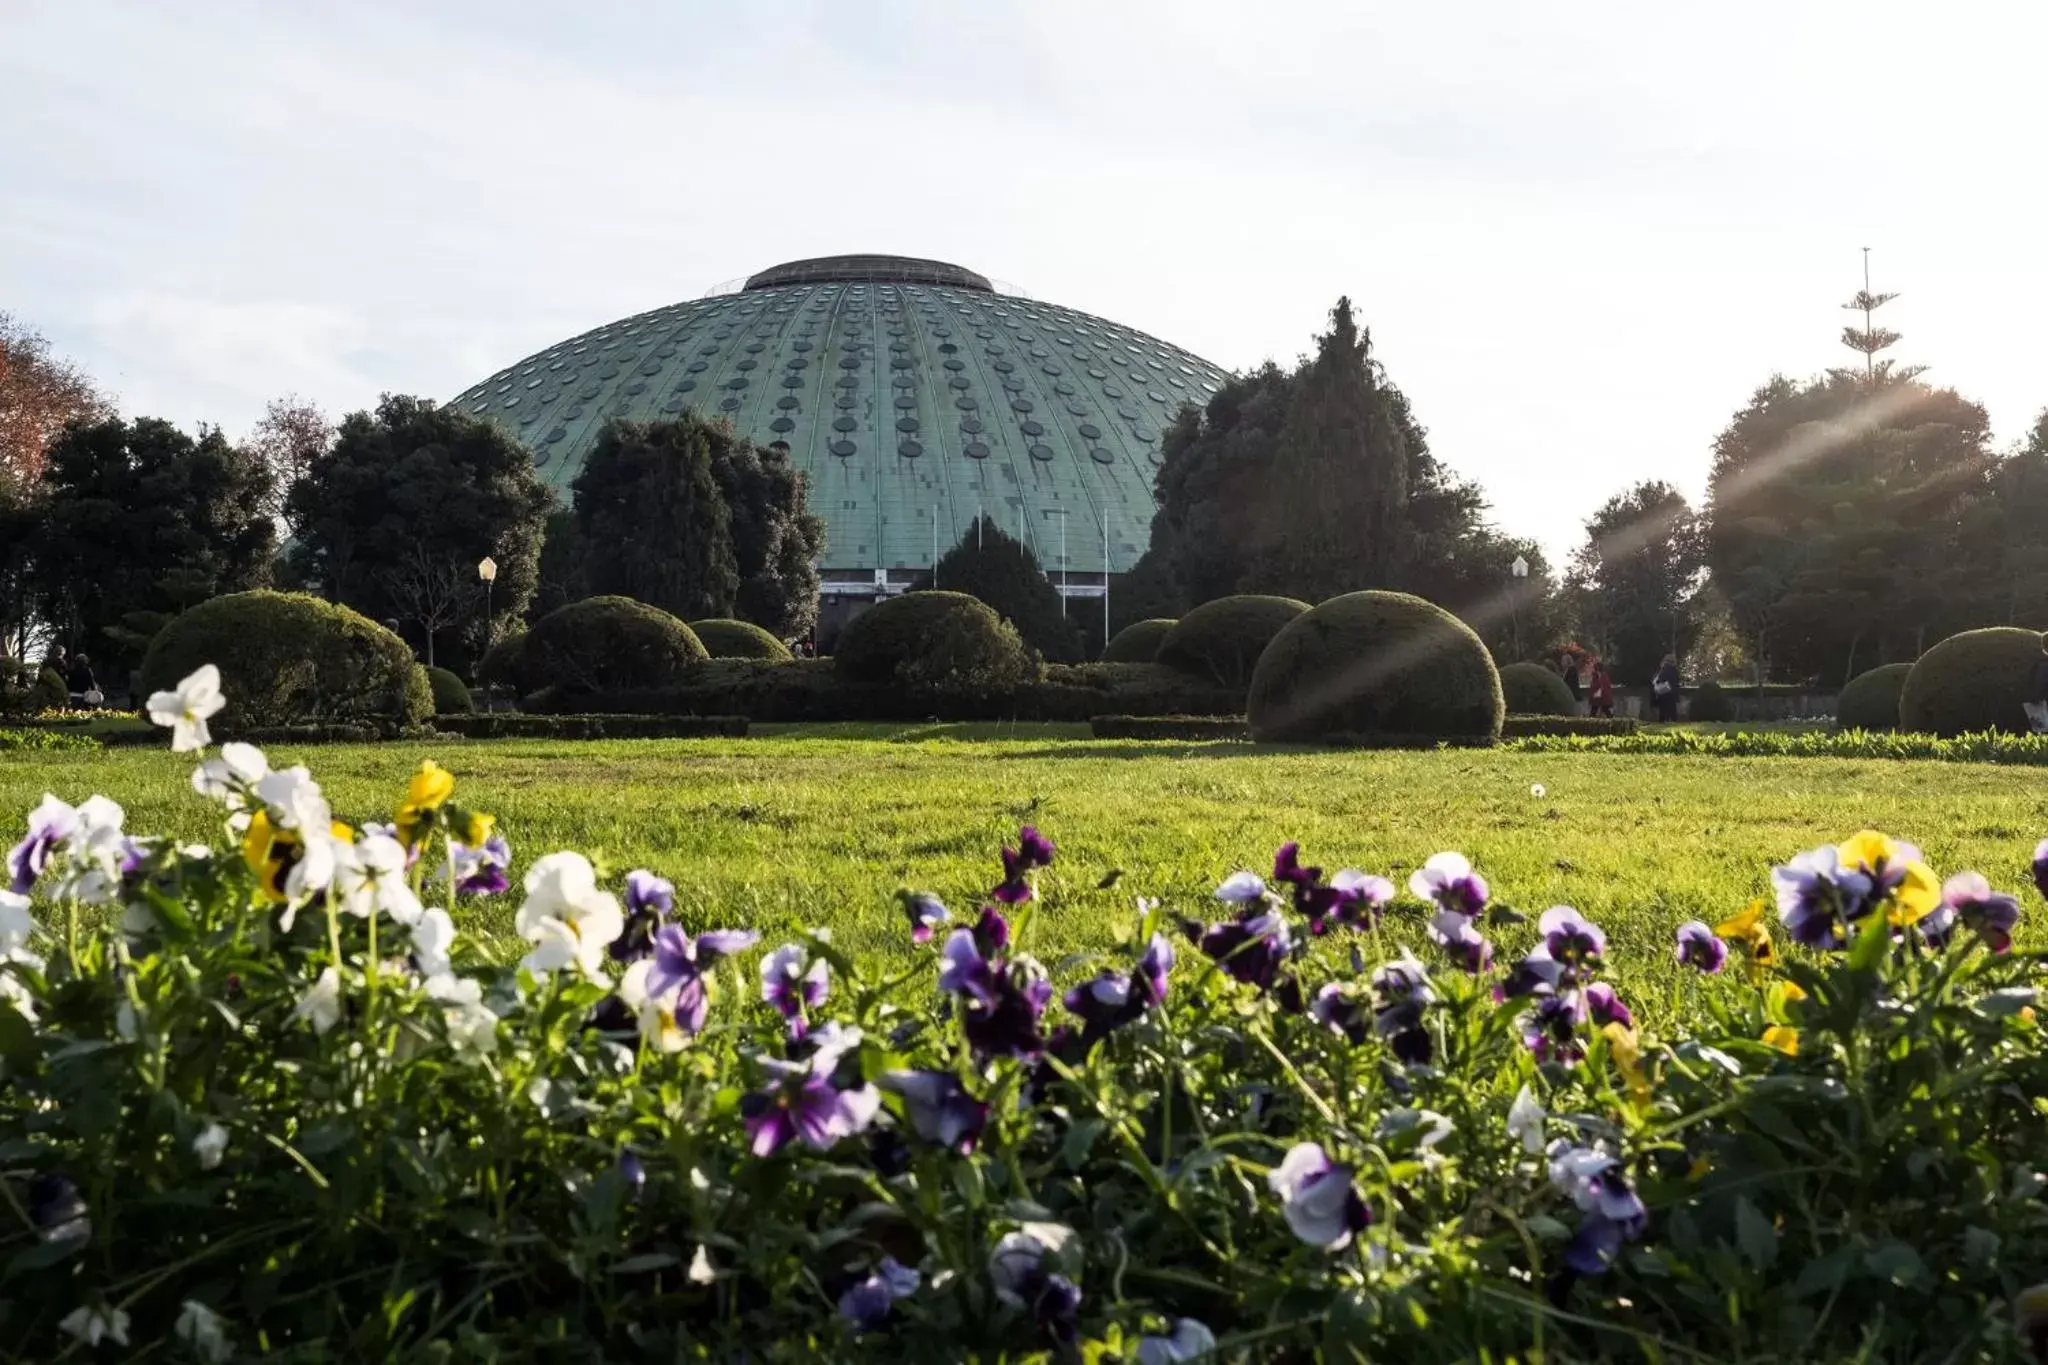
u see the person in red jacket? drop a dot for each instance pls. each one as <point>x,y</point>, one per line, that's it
<point>1600,691</point>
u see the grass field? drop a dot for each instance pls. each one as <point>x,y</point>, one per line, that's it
<point>821,825</point>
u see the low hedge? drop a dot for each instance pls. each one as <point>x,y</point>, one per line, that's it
<point>37,740</point>
<point>1870,701</point>
<point>1222,640</point>
<point>1138,642</point>
<point>1516,727</point>
<point>290,659</point>
<point>451,694</point>
<point>1169,727</point>
<point>729,639</point>
<point>504,725</point>
<point>1534,690</point>
<point>1982,747</point>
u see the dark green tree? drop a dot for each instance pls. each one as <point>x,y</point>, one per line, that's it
<point>142,518</point>
<point>776,540</point>
<point>1333,512</point>
<point>1636,579</point>
<point>394,518</point>
<point>996,567</point>
<point>652,522</point>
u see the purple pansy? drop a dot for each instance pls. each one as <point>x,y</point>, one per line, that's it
<point>1536,974</point>
<point>1155,964</point>
<point>869,1304</point>
<point>634,1173</point>
<point>1937,927</point>
<point>939,1107</point>
<point>1401,994</point>
<point>1572,941</point>
<point>963,970</point>
<point>1449,881</point>
<point>1033,850</point>
<point>794,984</point>
<point>1343,1011</point>
<point>1551,1029</point>
<point>806,1101</point>
<point>1018,1268</point>
<point>1604,1007</point>
<point>1455,934</point>
<point>1360,896</point>
<point>2041,867</point>
<point>484,870</point>
<point>680,963</point>
<point>649,901</point>
<point>1990,915</point>
<point>1701,948</point>
<point>49,824</point>
<point>926,911</point>
<point>1006,1024</point>
<point>1817,897</point>
<point>1317,1198</point>
<point>1250,948</point>
<point>1613,1212</point>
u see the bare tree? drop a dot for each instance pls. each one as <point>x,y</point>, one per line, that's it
<point>430,593</point>
<point>288,438</point>
<point>38,395</point>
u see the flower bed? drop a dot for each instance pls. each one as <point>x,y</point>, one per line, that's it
<point>262,1098</point>
<point>1987,747</point>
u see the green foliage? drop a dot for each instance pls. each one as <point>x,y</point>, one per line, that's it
<point>993,566</point>
<point>1535,690</point>
<point>1516,727</point>
<point>139,517</point>
<point>41,740</point>
<point>1870,701</point>
<point>730,639</point>
<point>1709,701</point>
<point>935,644</point>
<point>1375,663</point>
<point>688,516</point>
<point>450,694</point>
<point>516,725</point>
<point>1138,642</point>
<point>1221,641</point>
<point>1975,680</point>
<point>395,517</point>
<point>607,643</point>
<point>30,689</point>
<point>1194,728</point>
<point>502,663</point>
<point>1985,747</point>
<point>287,659</point>
<point>1636,579</point>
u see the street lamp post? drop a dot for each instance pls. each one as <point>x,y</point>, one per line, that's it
<point>487,570</point>
<point>1520,569</point>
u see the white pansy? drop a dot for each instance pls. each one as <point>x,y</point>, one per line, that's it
<point>1525,1121</point>
<point>472,1027</point>
<point>370,877</point>
<point>91,871</point>
<point>238,768</point>
<point>321,1005</point>
<point>294,799</point>
<point>315,869</point>
<point>13,993</point>
<point>17,925</point>
<point>656,1014</point>
<point>1241,887</point>
<point>95,1325</point>
<point>433,934</point>
<point>186,709</point>
<point>209,1146</point>
<point>204,1330</point>
<point>1014,1263</point>
<point>567,918</point>
<point>701,1269</point>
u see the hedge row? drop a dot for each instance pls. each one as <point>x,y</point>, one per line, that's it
<point>1981,747</point>
<point>1519,727</point>
<point>499,725</point>
<point>1170,727</point>
<point>39,740</point>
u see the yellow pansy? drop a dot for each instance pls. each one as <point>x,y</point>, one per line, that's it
<point>1913,889</point>
<point>1786,1040</point>
<point>478,829</point>
<point>428,791</point>
<point>1747,930</point>
<point>1793,991</point>
<point>270,853</point>
<point>1699,1168</point>
<point>1624,1046</point>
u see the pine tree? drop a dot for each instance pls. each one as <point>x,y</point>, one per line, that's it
<point>651,521</point>
<point>999,569</point>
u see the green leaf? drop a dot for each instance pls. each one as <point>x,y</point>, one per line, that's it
<point>1869,948</point>
<point>1825,1275</point>
<point>1755,1235</point>
<point>1080,1140</point>
<point>639,1265</point>
<point>1896,1262</point>
<point>1353,1317</point>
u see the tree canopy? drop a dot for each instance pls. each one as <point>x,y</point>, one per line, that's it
<point>996,567</point>
<point>394,518</point>
<point>1635,581</point>
<point>39,394</point>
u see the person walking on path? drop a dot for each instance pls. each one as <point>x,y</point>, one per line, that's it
<point>1601,692</point>
<point>80,683</point>
<point>1569,667</point>
<point>1664,688</point>
<point>2037,694</point>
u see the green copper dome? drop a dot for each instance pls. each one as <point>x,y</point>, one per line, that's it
<point>913,394</point>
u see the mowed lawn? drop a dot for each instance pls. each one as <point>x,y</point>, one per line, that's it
<point>821,825</point>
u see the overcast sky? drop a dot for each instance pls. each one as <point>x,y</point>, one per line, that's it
<point>1581,234</point>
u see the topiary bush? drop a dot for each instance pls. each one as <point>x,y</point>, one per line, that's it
<point>729,639</point>
<point>450,693</point>
<point>607,644</point>
<point>1375,663</point>
<point>1138,642</point>
<point>29,689</point>
<point>1533,690</point>
<point>1870,701</point>
<point>1222,640</point>
<point>291,659</point>
<point>936,644</point>
<point>502,662</point>
<point>1977,680</point>
<point>1709,701</point>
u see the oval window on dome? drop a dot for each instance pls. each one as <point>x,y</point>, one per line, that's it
<point>1042,453</point>
<point>673,405</point>
<point>906,424</point>
<point>787,403</point>
<point>1101,456</point>
<point>972,426</point>
<point>909,450</point>
<point>975,450</point>
<point>966,403</point>
<point>844,424</point>
<point>1033,428</point>
<point>843,448</point>
<point>1022,404</point>
<point>905,400</point>
<point>729,404</point>
<point>782,424</point>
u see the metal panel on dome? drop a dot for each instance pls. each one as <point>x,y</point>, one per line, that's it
<point>912,394</point>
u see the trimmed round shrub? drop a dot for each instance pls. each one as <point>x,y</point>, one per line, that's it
<point>1977,680</point>
<point>30,689</point>
<point>1375,663</point>
<point>450,693</point>
<point>1533,690</point>
<point>1222,640</point>
<point>1710,701</point>
<point>935,643</point>
<point>1870,701</point>
<point>501,664</point>
<point>290,659</point>
<point>1138,642</point>
<point>728,639</point>
<point>609,644</point>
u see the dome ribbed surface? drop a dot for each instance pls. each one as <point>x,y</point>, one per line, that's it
<point>906,388</point>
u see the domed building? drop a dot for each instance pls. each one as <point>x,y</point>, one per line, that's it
<point>914,395</point>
